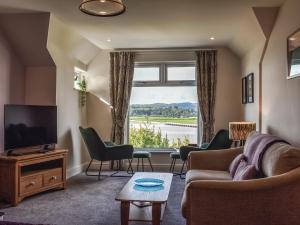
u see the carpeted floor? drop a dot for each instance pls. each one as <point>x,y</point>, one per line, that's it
<point>87,201</point>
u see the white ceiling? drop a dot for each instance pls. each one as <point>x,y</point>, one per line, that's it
<point>156,23</point>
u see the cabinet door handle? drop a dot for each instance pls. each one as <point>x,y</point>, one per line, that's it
<point>53,178</point>
<point>32,183</point>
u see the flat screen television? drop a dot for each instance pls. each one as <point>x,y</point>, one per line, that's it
<point>29,125</point>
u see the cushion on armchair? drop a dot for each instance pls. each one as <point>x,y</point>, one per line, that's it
<point>235,163</point>
<point>280,158</point>
<point>256,146</point>
<point>245,171</point>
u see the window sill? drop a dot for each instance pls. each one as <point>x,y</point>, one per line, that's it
<point>157,150</point>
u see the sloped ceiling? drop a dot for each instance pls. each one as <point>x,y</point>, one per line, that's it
<point>266,17</point>
<point>160,23</point>
<point>73,44</point>
<point>28,35</point>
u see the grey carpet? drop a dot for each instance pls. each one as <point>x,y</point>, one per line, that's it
<point>87,201</point>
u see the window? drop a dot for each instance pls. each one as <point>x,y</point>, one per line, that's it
<point>146,73</point>
<point>163,110</point>
<point>181,73</point>
<point>79,76</point>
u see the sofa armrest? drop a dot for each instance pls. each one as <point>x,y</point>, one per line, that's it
<point>272,200</point>
<point>212,159</point>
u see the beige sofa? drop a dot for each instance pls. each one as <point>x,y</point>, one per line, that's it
<point>211,197</point>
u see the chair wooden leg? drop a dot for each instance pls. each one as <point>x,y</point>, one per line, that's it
<point>150,164</point>
<point>171,166</point>
<point>87,169</point>
<point>138,165</point>
<point>174,163</point>
<point>130,167</point>
<point>100,168</point>
<point>181,171</point>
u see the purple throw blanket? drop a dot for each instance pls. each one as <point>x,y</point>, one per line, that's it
<point>256,145</point>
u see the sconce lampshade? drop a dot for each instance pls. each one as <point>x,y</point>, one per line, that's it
<point>102,8</point>
<point>240,130</point>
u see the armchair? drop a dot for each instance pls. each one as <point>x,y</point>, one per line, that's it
<point>220,141</point>
<point>104,151</point>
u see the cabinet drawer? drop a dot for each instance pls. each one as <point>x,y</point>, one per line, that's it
<point>30,184</point>
<point>53,177</point>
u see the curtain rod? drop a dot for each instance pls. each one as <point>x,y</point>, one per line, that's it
<point>161,49</point>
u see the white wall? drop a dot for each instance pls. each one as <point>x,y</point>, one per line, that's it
<point>40,85</point>
<point>280,96</point>
<point>250,64</point>
<point>70,114</point>
<point>11,81</point>
<point>281,105</point>
<point>228,98</point>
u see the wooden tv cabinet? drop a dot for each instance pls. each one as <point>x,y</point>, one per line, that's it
<point>26,175</point>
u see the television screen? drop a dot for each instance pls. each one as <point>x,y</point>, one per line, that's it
<point>28,125</point>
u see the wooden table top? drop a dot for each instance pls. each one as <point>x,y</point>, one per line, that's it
<point>128,193</point>
<point>4,157</point>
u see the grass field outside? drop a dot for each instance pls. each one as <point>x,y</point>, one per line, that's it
<point>187,120</point>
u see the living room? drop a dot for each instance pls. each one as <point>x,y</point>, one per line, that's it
<point>159,88</point>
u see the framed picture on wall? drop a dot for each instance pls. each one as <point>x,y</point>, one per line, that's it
<point>293,47</point>
<point>250,88</point>
<point>244,90</point>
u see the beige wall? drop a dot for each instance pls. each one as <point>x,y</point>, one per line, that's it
<point>228,103</point>
<point>250,64</point>
<point>70,114</point>
<point>41,80</point>
<point>281,105</point>
<point>11,81</point>
<point>228,99</point>
<point>27,33</point>
<point>99,116</point>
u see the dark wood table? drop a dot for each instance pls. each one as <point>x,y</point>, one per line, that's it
<point>157,200</point>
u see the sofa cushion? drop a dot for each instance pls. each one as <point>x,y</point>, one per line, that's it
<point>280,158</point>
<point>193,175</point>
<point>245,171</point>
<point>256,145</point>
<point>235,163</point>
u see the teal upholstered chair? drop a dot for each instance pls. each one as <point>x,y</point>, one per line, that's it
<point>104,151</point>
<point>220,141</point>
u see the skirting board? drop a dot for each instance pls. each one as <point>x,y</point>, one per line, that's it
<point>157,167</point>
<point>95,166</point>
<point>80,168</point>
<point>76,170</point>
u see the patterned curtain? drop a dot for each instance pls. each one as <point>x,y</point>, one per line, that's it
<point>206,67</point>
<point>121,76</point>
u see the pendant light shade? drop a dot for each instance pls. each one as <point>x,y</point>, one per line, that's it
<point>102,7</point>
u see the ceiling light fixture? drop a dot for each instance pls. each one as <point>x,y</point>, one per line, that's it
<point>108,40</point>
<point>103,8</point>
<point>212,38</point>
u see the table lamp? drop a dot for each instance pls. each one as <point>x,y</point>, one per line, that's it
<point>239,131</point>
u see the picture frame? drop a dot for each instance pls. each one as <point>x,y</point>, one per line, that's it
<point>293,54</point>
<point>244,90</point>
<point>250,88</point>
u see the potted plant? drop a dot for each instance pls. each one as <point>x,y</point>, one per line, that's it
<point>82,84</point>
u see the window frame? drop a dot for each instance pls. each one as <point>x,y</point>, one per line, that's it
<point>163,74</point>
<point>164,82</point>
